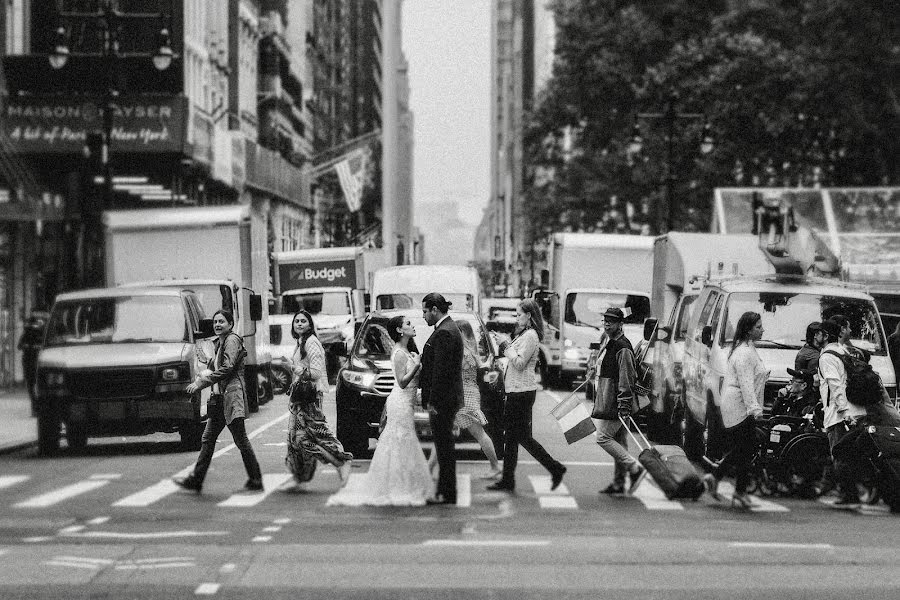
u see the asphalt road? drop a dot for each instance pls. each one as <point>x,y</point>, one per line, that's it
<point>106,522</point>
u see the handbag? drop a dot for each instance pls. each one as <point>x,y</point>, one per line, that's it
<point>303,392</point>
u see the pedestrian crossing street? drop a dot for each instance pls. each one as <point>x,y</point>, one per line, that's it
<point>101,487</point>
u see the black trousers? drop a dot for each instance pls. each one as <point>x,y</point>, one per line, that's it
<point>741,439</point>
<point>214,426</point>
<point>442,430</point>
<point>517,432</point>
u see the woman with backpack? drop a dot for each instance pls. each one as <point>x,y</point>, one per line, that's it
<point>227,405</point>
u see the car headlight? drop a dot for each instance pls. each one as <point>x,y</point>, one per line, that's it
<point>362,379</point>
<point>571,353</point>
<point>54,379</point>
<point>172,373</point>
<point>568,343</point>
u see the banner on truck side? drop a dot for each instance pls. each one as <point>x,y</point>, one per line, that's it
<point>330,273</point>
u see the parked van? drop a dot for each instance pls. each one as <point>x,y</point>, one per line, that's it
<point>787,305</point>
<point>404,286</point>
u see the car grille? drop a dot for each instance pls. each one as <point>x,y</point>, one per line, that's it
<point>384,383</point>
<point>119,383</point>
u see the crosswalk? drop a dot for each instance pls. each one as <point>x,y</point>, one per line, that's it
<point>101,487</point>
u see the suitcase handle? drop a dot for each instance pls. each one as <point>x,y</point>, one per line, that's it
<point>628,429</point>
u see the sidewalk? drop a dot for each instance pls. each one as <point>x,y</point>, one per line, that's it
<point>18,429</point>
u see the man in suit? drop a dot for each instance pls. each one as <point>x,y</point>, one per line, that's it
<point>442,389</point>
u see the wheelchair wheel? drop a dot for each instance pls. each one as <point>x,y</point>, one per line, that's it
<point>806,458</point>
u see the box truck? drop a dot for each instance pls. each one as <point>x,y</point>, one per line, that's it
<point>219,253</point>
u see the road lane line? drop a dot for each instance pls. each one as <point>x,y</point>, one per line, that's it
<point>271,481</point>
<point>170,565</point>
<point>11,480</point>
<point>149,495</point>
<point>262,538</point>
<point>62,494</point>
<point>781,545</point>
<point>653,498</point>
<point>271,529</point>
<point>155,535</point>
<point>98,521</point>
<point>486,543</point>
<point>207,589</point>
<point>106,476</point>
<point>726,490</point>
<point>558,502</point>
<point>463,490</point>
<point>227,568</point>
<point>72,529</point>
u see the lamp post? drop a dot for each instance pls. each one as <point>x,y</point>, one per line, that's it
<point>109,19</point>
<point>670,116</point>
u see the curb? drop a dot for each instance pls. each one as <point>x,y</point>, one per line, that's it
<point>10,448</point>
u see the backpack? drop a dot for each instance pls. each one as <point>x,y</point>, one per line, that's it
<point>863,383</point>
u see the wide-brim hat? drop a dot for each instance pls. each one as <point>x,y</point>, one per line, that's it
<point>831,328</point>
<point>614,314</point>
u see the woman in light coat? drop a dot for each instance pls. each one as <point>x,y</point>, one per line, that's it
<point>742,402</point>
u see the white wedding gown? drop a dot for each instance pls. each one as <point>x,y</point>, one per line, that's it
<point>398,474</point>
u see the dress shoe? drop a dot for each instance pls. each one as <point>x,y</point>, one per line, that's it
<point>614,489</point>
<point>556,477</point>
<point>502,486</point>
<point>254,485</point>
<point>438,500</point>
<point>494,475</point>
<point>188,483</point>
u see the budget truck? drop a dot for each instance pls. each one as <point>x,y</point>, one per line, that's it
<point>589,273</point>
<point>219,253</point>
<point>331,284</point>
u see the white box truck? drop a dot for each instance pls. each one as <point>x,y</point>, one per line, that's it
<point>219,253</point>
<point>329,283</point>
<point>589,273</point>
<point>404,286</point>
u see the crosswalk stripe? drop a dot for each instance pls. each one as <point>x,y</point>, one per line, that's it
<point>271,481</point>
<point>463,489</point>
<point>552,499</point>
<point>149,495</point>
<point>61,494</point>
<point>653,498</point>
<point>11,480</point>
<point>726,489</point>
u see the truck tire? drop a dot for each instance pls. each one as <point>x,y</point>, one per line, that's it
<point>48,432</point>
<point>76,436</point>
<point>191,435</point>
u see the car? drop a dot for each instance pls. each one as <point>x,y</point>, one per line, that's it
<point>367,378</point>
<point>500,314</point>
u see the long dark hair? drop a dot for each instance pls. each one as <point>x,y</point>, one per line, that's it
<point>742,331</point>
<point>535,319</point>
<point>393,328</point>
<point>311,333</point>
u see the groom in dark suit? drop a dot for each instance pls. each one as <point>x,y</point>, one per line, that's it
<point>442,389</point>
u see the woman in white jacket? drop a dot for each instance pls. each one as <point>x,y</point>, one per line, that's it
<point>742,401</point>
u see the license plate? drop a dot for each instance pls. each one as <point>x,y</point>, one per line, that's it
<point>775,437</point>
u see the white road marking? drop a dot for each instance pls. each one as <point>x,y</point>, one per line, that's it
<point>653,498</point>
<point>149,495</point>
<point>37,539</point>
<point>227,568</point>
<point>463,489</point>
<point>262,538</point>
<point>781,545</point>
<point>168,565</point>
<point>556,502</point>
<point>72,529</point>
<point>726,489</point>
<point>76,565</point>
<point>98,521</point>
<point>541,485</point>
<point>150,535</point>
<point>11,480</point>
<point>271,481</point>
<point>486,543</point>
<point>271,529</point>
<point>207,589</point>
<point>282,521</point>
<point>62,494</point>
<point>106,476</point>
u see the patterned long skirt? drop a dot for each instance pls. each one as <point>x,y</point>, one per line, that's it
<point>310,441</point>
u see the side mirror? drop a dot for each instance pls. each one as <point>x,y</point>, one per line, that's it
<point>706,336</point>
<point>205,330</point>
<point>649,326</point>
<point>255,307</point>
<point>275,334</point>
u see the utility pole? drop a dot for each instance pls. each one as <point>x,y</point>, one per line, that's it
<point>390,124</point>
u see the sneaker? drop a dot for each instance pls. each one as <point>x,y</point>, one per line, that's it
<point>846,503</point>
<point>188,483</point>
<point>502,486</point>
<point>636,478</point>
<point>254,485</point>
<point>556,477</point>
<point>614,489</point>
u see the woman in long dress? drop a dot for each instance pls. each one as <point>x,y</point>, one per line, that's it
<point>398,474</point>
<point>309,437</point>
<point>470,417</point>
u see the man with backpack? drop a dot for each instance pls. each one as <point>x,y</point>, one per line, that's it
<point>840,412</point>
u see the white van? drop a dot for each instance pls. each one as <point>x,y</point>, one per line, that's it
<point>787,305</point>
<point>405,286</point>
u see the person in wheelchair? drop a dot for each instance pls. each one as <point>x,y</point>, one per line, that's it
<point>799,397</point>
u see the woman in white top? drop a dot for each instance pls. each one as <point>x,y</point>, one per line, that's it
<point>742,400</point>
<point>521,390</point>
<point>309,437</point>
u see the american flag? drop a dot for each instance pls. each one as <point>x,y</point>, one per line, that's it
<point>351,172</point>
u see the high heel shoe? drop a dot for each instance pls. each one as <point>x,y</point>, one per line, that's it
<point>712,486</point>
<point>741,501</point>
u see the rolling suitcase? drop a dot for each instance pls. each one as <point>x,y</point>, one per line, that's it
<point>668,466</point>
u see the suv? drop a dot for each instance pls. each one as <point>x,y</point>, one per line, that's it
<point>365,382</point>
<point>787,305</point>
<point>117,362</point>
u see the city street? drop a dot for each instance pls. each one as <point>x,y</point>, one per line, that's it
<point>107,522</point>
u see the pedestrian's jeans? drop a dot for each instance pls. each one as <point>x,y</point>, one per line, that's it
<point>214,426</point>
<point>517,425</point>
<point>843,471</point>
<point>741,439</point>
<point>613,438</point>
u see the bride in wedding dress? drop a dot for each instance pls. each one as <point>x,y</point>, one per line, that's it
<point>398,474</point>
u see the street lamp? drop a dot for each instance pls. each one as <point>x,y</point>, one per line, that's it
<point>669,116</point>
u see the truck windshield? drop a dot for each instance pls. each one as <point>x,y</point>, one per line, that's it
<point>414,300</point>
<point>325,303</point>
<point>121,320</point>
<point>786,315</point>
<point>587,308</point>
<point>213,297</point>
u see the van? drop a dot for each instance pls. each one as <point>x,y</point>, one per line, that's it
<point>787,305</point>
<point>404,286</point>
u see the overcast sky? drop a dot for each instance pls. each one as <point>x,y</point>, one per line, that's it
<point>447,44</point>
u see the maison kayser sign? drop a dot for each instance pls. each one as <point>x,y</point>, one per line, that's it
<point>57,124</point>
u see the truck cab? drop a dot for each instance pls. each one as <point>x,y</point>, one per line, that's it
<point>116,362</point>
